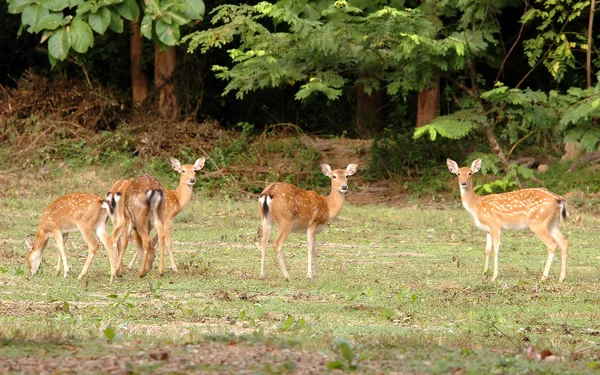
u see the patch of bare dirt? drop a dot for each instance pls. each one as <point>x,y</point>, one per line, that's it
<point>229,358</point>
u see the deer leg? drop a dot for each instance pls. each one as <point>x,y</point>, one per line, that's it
<point>169,245</point>
<point>310,239</point>
<point>282,234</point>
<point>488,250</point>
<point>93,245</point>
<point>496,245</point>
<point>160,231</point>
<point>544,235</point>
<point>61,249</point>
<point>266,232</point>
<point>64,237</point>
<point>145,237</point>
<point>563,244</point>
<point>314,257</point>
<point>105,239</point>
<point>139,249</point>
<point>118,240</point>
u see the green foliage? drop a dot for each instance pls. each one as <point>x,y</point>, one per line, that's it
<point>382,47</point>
<point>122,301</point>
<point>68,25</point>
<point>577,120</point>
<point>349,360</point>
<point>454,126</point>
<point>293,324</point>
<point>555,44</point>
<point>111,333</point>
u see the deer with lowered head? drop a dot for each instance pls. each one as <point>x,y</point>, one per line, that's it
<point>293,209</point>
<point>77,212</point>
<point>537,209</point>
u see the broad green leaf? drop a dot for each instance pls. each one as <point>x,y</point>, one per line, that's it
<point>129,9</point>
<point>85,7</point>
<point>194,9</point>
<point>58,45</point>
<point>178,18</point>
<point>100,20</point>
<point>346,350</point>
<point>51,21</point>
<point>146,27</point>
<point>32,15</point>
<point>17,6</point>
<point>81,36</point>
<point>167,34</point>
<point>116,22</point>
<point>335,365</point>
<point>52,60</point>
<point>54,5</point>
<point>104,3</point>
<point>152,7</point>
<point>74,3</point>
<point>166,18</point>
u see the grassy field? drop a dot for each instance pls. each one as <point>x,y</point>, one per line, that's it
<point>400,290</point>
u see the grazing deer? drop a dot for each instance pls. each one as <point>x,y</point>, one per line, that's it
<point>537,209</point>
<point>296,210</point>
<point>144,208</point>
<point>175,201</point>
<point>83,212</point>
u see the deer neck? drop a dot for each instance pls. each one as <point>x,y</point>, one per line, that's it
<point>183,194</point>
<point>470,200</point>
<point>335,202</point>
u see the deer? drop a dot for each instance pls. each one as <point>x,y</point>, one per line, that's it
<point>538,209</point>
<point>293,209</point>
<point>175,202</point>
<point>143,209</point>
<point>83,212</point>
<point>115,196</point>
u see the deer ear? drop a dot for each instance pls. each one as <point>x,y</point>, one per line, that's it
<point>175,164</point>
<point>29,241</point>
<point>351,169</point>
<point>199,164</point>
<point>452,166</point>
<point>326,169</point>
<point>476,166</point>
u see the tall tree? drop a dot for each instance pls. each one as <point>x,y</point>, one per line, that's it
<point>69,25</point>
<point>391,49</point>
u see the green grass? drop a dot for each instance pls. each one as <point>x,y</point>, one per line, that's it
<point>403,286</point>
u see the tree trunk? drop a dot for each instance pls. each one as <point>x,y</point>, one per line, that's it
<point>491,137</point>
<point>588,62</point>
<point>370,116</point>
<point>428,103</point>
<point>164,66</point>
<point>139,82</point>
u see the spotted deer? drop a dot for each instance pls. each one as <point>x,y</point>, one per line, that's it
<point>83,212</point>
<point>175,202</point>
<point>293,209</point>
<point>144,209</point>
<point>115,196</point>
<point>537,209</point>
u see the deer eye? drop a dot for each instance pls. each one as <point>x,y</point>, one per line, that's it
<point>470,173</point>
<point>334,176</point>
